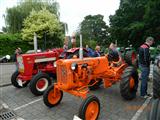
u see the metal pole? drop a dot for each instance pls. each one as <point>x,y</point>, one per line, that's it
<point>35,42</point>
<point>81,48</point>
<point>45,41</point>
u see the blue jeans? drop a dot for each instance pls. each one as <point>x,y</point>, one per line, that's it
<point>144,79</point>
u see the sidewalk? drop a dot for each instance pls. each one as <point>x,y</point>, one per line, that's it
<point>7,114</point>
<point>6,71</point>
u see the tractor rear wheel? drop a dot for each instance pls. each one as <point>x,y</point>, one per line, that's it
<point>52,98</point>
<point>16,82</point>
<point>131,58</point>
<point>90,108</point>
<point>154,113</point>
<point>39,83</point>
<point>156,82</point>
<point>129,83</point>
<point>95,86</point>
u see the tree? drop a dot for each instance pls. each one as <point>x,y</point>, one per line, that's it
<point>94,28</point>
<point>151,19</point>
<point>43,22</point>
<point>134,21</point>
<point>127,25</point>
<point>16,15</point>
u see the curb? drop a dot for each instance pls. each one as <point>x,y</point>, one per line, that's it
<point>5,85</point>
<point>10,63</point>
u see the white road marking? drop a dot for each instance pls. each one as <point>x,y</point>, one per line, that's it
<point>141,109</point>
<point>20,107</point>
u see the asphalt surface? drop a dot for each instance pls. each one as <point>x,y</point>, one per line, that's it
<point>30,107</point>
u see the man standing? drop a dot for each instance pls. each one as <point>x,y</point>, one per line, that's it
<point>144,65</point>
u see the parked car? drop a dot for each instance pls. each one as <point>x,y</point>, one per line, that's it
<point>5,59</point>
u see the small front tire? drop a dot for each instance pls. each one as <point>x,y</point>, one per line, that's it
<point>90,108</point>
<point>50,98</point>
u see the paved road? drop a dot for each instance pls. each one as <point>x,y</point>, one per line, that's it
<point>30,107</point>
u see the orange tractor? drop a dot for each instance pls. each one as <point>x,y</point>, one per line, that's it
<point>78,76</point>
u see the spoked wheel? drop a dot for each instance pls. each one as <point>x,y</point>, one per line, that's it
<point>52,97</point>
<point>17,82</point>
<point>129,83</point>
<point>90,108</point>
<point>40,83</point>
<point>95,86</point>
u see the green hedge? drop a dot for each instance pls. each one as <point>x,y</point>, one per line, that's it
<point>9,42</point>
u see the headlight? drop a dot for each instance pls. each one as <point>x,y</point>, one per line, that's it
<point>74,66</point>
<point>54,64</point>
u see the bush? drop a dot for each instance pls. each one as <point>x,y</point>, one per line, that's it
<point>9,42</point>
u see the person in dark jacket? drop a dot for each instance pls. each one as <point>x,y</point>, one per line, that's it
<point>144,65</point>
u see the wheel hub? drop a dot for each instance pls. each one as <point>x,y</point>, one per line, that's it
<point>42,84</point>
<point>92,111</point>
<point>132,83</point>
<point>54,97</point>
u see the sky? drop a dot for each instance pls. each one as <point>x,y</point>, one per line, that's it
<point>73,12</point>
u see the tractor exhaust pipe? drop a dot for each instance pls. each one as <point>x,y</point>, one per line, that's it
<point>81,48</point>
<point>35,42</point>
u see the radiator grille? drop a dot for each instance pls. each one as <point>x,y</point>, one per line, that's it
<point>62,76</point>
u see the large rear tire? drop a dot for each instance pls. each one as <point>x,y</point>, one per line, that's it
<point>90,108</point>
<point>156,82</point>
<point>39,83</point>
<point>131,58</point>
<point>14,81</point>
<point>49,99</point>
<point>154,113</point>
<point>129,83</point>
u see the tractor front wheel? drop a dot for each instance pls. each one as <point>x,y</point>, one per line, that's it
<point>156,82</point>
<point>90,108</point>
<point>39,83</point>
<point>16,82</point>
<point>51,97</point>
<point>154,113</point>
<point>129,83</point>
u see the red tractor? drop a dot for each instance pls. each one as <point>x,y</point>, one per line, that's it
<point>78,76</point>
<point>38,68</point>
